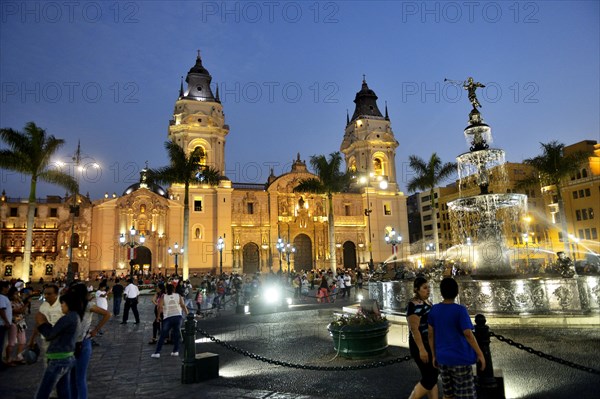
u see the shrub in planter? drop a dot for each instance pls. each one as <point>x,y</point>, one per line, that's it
<point>360,335</point>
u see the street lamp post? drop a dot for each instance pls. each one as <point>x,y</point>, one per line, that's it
<point>132,243</point>
<point>393,239</point>
<point>74,208</point>
<point>430,248</point>
<point>365,180</point>
<point>176,251</point>
<point>289,249</point>
<point>280,247</point>
<point>220,246</point>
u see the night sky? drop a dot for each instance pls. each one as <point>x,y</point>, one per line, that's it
<point>108,74</point>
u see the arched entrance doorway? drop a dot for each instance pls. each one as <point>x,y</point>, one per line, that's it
<point>303,256</point>
<point>143,261</point>
<point>250,258</point>
<point>349,255</point>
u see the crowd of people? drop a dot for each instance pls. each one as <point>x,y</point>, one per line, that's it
<point>63,332</point>
<point>72,315</point>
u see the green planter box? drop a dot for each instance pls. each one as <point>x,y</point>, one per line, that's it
<point>358,342</point>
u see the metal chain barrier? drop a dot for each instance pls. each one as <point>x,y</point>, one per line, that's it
<point>544,355</point>
<point>254,356</point>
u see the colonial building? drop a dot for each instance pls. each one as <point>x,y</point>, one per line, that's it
<point>61,232</point>
<point>581,197</point>
<point>249,219</point>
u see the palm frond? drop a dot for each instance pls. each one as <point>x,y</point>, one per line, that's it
<point>62,179</point>
<point>184,169</point>
<point>553,166</point>
<point>29,151</point>
<point>208,174</point>
<point>429,174</point>
<point>312,185</point>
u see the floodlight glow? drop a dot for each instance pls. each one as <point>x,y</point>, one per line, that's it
<point>289,301</point>
<point>359,297</point>
<point>271,295</point>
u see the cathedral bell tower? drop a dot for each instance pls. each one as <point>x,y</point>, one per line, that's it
<point>369,145</point>
<point>198,118</point>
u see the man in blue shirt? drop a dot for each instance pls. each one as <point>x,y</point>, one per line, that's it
<point>453,345</point>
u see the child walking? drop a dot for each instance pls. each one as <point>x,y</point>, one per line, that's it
<point>453,345</point>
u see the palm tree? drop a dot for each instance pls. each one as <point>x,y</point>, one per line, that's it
<point>29,153</point>
<point>553,168</point>
<point>330,180</point>
<point>429,175</point>
<point>186,170</point>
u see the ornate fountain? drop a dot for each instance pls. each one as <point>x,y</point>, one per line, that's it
<point>478,218</point>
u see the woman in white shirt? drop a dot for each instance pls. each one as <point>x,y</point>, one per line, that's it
<point>101,296</point>
<point>172,308</point>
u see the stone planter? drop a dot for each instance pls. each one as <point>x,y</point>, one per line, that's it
<point>360,341</point>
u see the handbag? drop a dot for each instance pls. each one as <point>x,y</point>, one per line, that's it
<point>31,354</point>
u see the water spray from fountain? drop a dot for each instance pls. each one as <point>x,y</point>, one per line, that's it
<point>482,216</point>
<point>478,219</point>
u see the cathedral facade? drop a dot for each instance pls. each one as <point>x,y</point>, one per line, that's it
<point>248,219</point>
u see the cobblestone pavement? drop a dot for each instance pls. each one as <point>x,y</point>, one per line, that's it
<point>121,367</point>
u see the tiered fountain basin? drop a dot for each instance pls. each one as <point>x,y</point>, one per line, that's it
<point>511,297</point>
<point>484,203</point>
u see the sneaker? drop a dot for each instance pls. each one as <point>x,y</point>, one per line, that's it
<point>155,355</point>
<point>174,353</point>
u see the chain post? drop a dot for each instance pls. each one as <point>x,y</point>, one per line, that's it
<point>188,368</point>
<point>239,309</point>
<point>489,386</point>
<point>482,334</point>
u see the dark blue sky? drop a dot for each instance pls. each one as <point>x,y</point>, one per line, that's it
<point>107,73</point>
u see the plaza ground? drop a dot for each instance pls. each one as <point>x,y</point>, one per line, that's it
<point>121,366</point>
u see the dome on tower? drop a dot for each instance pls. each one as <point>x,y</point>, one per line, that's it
<point>366,103</point>
<point>147,183</point>
<point>198,83</point>
<point>198,67</point>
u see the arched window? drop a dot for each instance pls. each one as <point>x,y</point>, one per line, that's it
<point>352,165</point>
<point>200,154</point>
<point>197,232</point>
<point>584,172</point>
<point>378,166</point>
